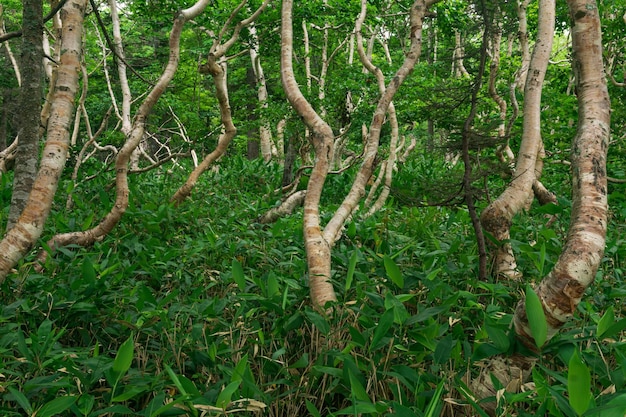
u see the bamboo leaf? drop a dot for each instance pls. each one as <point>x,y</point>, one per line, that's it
<point>238,276</point>
<point>21,400</point>
<point>578,384</point>
<point>124,357</point>
<point>536,317</point>
<point>606,321</point>
<point>393,272</point>
<point>385,323</point>
<point>56,406</point>
<point>312,409</point>
<point>227,394</point>
<point>351,268</point>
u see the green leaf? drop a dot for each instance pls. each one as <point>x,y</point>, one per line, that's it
<point>130,391</point>
<point>21,400</point>
<point>124,357</point>
<point>433,406</point>
<point>499,338</point>
<point>89,272</point>
<point>357,390</point>
<point>319,321</point>
<point>606,321</point>
<point>312,409</point>
<point>238,275</point>
<point>240,369</point>
<point>226,395</point>
<point>578,384</point>
<point>615,329</point>
<point>393,272</point>
<point>385,323</point>
<point>536,317</point>
<point>56,406</point>
<point>351,268</point>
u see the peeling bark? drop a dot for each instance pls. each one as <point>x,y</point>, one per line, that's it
<point>20,239</point>
<point>497,217</point>
<point>562,289</point>
<point>136,134</point>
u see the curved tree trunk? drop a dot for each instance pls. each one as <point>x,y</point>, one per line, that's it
<point>497,217</point>
<point>29,226</point>
<point>122,161</point>
<point>317,248</point>
<point>561,290</point>
<point>216,66</point>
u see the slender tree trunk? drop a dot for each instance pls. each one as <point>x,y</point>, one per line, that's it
<point>561,290</point>
<point>265,134</point>
<point>216,66</point>
<point>30,224</point>
<point>122,161</point>
<point>27,154</point>
<point>497,217</point>
<point>317,248</point>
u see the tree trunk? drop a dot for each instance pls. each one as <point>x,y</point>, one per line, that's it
<point>30,224</point>
<point>27,154</point>
<point>497,217</point>
<point>562,289</point>
<point>317,248</point>
<point>122,161</point>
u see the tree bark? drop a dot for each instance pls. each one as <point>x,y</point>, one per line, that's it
<point>562,289</point>
<point>317,248</point>
<point>29,226</point>
<point>27,154</point>
<point>136,134</point>
<point>497,217</point>
<point>217,66</point>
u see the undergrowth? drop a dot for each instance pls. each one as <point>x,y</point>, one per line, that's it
<point>199,310</point>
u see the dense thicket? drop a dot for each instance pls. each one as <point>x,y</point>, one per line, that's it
<point>200,307</point>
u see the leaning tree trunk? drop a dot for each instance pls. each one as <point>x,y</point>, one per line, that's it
<point>562,289</point>
<point>20,239</point>
<point>136,134</point>
<point>497,217</point>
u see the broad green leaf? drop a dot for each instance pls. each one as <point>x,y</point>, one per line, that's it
<point>578,384</point>
<point>56,406</point>
<point>238,275</point>
<point>385,323</point>
<point>393,272</point>
<point>124,357</point>
<point>615,328</point>
<point>359,408</point>
<point>227,394</point>
<point>88,274</point>
<point>499,338</point>
<point>319,321</point>
<point>240,369</point>
<point>351,268</point>
<point>21,400</point>
<point>606,321</point>
<point>536,317</point>
<point>130,391</point>
<point>357,390</point>
<point>312,409</point>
